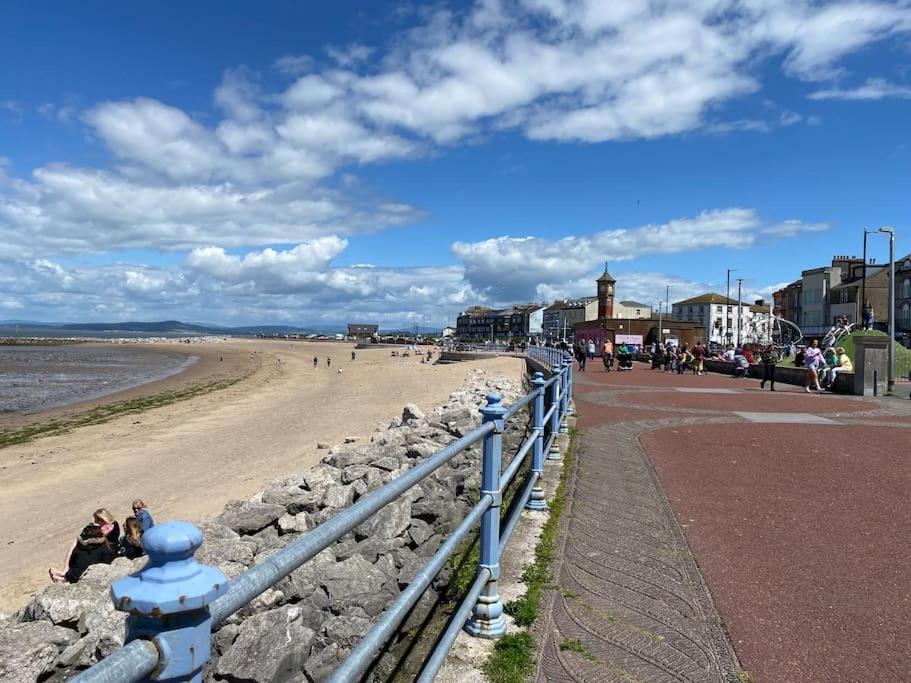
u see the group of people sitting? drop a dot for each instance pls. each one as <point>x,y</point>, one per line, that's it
<point>101,542</point>
<point>822,367</point>
<point>679,359</point>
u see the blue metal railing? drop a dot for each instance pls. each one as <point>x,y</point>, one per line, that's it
<point>173,602</point>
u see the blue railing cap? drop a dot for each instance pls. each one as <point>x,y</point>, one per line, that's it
<point>172,580</point>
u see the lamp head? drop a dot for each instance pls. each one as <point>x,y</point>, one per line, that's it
<point>886,228</point>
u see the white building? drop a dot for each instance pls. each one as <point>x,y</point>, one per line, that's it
<point>632,310</point>
<point>817,283</point>
<point>720,315</point>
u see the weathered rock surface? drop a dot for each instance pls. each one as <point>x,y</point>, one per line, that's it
<point>271,646</point>
<point>250,517</point>
<point>29,650</point>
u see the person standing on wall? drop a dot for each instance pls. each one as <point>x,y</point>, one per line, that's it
<point>869,317</point>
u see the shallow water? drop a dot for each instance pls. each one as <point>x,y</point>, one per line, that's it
<point>35,378</point>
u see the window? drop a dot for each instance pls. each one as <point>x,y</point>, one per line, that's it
<point>718,309</point>
<point>906,288</point>
<point>906,317</point>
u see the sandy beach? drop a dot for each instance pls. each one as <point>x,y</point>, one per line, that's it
<point>188,458</point>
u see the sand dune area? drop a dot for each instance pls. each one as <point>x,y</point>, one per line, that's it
<point>188,458</point>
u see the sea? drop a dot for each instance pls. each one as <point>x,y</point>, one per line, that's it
<point>35,378</point>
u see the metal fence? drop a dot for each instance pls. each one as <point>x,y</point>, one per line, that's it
<point>173,602</point>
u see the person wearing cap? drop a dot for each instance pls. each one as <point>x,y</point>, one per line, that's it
<point>843,364</point>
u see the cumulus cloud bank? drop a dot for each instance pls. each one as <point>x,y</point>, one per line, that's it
<point>263,172</point>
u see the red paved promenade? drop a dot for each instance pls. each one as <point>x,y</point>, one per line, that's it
<point>802,532</point>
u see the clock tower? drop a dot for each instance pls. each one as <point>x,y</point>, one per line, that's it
<point>606,294</point>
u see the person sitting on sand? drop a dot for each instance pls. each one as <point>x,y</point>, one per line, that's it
<point>141,512</point>
<point>131,544</point>
<point>96,544</point>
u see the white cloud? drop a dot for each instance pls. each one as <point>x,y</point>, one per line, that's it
<point>873,89</point>
<point>67,210</point>
<point>294,65</point>
<point>509,268</point>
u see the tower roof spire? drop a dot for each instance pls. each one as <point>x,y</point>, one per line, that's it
<point>606,276</point>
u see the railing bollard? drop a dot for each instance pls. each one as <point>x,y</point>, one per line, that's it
<point>555,400</point>
<point>564,398</point>
<point>168,601</point>
<point>569,388</point>
<point>536,499</point>
<point>487,615</point>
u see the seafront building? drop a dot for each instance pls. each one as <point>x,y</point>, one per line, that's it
<point>717,313</point>
<point>521,321</point>
<point>636,331</point>
<point>903,299</point>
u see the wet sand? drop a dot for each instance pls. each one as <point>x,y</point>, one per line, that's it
<point>188,458</point>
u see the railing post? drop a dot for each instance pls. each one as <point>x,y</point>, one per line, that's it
<point>536,499</point>
<point>569,389</point>
<point>555,400</point>
<point>487,615</point>
<point>168,601</point>
<point>564,399</point>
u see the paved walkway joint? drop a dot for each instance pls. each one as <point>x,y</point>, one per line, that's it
<point>785,418</point>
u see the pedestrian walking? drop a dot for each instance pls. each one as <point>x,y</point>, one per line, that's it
<point>580,357</point>
<point>591,349</point>
<point>315,362</point>
<point>353,354</point>
<point>698,358</point>
<point>328,362</point>
<point>767,356</point>
<point>607,354</point>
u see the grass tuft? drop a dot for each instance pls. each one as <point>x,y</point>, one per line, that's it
<point>536,575</point>
<point>512,660</point>
<point>574,645</point>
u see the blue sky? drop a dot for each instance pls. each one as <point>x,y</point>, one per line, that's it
<point>314,163</point>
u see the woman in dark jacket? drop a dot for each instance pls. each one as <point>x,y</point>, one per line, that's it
<point>97,543</point>
<point>131,543</point>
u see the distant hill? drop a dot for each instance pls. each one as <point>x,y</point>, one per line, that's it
<point>164,328</point>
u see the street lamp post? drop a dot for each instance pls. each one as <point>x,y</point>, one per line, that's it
<point>727,306</point>
<point>890,384</point>
<point>739,307</point>
<point>660,324</point>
